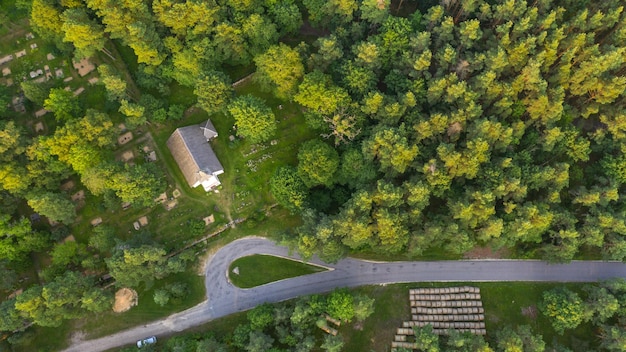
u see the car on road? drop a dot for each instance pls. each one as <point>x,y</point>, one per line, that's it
<point>147,341</point>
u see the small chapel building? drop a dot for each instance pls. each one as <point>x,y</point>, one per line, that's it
<point>196,159</point>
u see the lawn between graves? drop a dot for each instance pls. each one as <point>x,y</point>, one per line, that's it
<point>244,192</point>
<point>259,269</point>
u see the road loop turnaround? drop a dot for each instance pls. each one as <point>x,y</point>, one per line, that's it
<point>224,299</point>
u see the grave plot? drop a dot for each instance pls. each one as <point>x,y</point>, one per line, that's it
<point>445,309</point>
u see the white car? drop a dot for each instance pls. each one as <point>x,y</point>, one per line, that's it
<point>147,341</point>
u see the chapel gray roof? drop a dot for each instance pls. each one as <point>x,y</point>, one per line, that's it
<point>209,130</point>
<point>193,153</point>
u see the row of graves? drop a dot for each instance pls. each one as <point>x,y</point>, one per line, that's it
<point>445,309</point>
<point>37,73</point>
<point>41,70</point>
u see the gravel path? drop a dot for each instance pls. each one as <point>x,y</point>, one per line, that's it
<point>224,299</point>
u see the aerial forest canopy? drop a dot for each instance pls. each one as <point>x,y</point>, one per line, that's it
<point>469,124</point>
<point>465,123</point>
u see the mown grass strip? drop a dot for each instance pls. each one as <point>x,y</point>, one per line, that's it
<point>256,270</point>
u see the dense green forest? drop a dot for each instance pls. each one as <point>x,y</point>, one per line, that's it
<point>468,124</point>
<point>442,126</point>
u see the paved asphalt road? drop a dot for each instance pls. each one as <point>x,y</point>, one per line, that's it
<point>224,299</point>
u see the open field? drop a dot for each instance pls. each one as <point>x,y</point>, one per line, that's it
<point>503,303</point>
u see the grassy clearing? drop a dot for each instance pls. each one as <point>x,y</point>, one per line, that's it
<point>257,270</point>
<point>40,339</point>
<point>244,192</point>
<point>503,303</point>
<point>238,72</point>
<point>181,95</point>
<point>146,310</point>
<point>128,62</point>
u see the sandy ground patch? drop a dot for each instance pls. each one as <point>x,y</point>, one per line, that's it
<point>125,138</point>
<point>127,156</point>
<point>84,66</point>
<point>96,221</point>
<point>209,220</point>
<point>80,195</point>
<point>125,298</point>
<point>67,186</point>
<point>161,198</point>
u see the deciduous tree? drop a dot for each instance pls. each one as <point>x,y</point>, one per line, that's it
<point>186,18</point>
<point>132,266</point>
<point>363,307</point>
<point>332,343</point>
<point>317,163</point>
<point>286,15</point>
<point>254,120</point>
<point>57,300</point>
<point>563,307</point>
<point>46,19</point>
<point>86,34</point>
<point>426,338</point>
<point>340,305</point>
<point>375,11</point>
<point>138,184</point>
<point>261,317</point>
<point>600,305</point>
<point>134,113</point>
<point>35,91</point>
<point>355,170</point>
<point>318,93</point>
<point>279,70</point>
<point>69,252</point>
<point>113,83</point>
<point>54,206</point>
<point>259,342</point>
<point>214,91</point>
<point>10,319</point>
<point>391,149</point>
<point>288,189</point>
<point>63,104</point>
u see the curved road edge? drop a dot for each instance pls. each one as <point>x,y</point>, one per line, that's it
<point>224,299</point>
